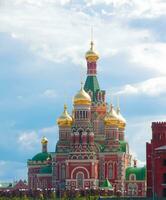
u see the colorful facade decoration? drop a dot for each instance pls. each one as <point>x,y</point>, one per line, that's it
<point>156,161</point>
<point>91,147</point>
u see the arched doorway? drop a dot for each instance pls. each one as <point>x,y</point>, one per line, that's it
<point>80,180</point>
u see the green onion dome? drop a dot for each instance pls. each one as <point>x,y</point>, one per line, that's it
<point>44,156</point>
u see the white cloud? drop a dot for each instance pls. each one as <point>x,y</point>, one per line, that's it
<point>152,87</point>
<point>132,8</point>
<point>59,34</point>
<point>50,93</point>
<point>28,140</point>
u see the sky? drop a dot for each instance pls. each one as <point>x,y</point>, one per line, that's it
<point>42,60</point>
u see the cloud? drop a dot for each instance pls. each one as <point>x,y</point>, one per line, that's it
<point>152,87</point>
<point>28,140</point>
<point>41,24</point>
<point>132,8</point>
<point>50,93</point>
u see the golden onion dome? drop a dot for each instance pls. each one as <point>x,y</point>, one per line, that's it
<point>90,55</point>
<point>65,119</point>
<point>82,97</point>
<point>111,118</point>
<point>122,121</point>
<point>44,140</point>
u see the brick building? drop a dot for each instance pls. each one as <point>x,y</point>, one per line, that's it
<point>156,161</point>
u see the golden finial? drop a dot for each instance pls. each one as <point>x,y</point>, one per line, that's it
<point>65,107</point>
<point>44,140</point>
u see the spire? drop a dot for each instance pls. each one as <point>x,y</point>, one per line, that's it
<point>91,84</point>
<point>118,106</point>
<point>91,44</point>
<point>91,56</point>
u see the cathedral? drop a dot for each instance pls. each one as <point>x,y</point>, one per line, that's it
<point>91,149</point>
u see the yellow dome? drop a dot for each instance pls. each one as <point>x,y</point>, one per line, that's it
<point>65,119</point>
<point>122,121</point>
<point>82,98</point>
<point>44,140</point>
<point>90,55</point>
<point>111,119</point>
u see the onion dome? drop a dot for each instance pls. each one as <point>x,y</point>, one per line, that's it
<point>82,98</point>
<point>90,55</point>
<point>44,156</point>
<point>111,119</point>
<point>65,119</point>
<point>122,121</point>
<point>44,140</point>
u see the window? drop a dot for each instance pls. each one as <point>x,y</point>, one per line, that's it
<point>110,172</point>
<point>164,162</point>
<point>63,172</point>
<point>83,114</point>
<point>80,180</point>
<point>132,177</point>
<point>164,178</point>
<point>80,114</point>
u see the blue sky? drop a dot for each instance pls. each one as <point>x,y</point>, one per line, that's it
<point>42,47</point>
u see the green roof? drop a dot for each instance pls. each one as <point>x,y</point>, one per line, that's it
<point>41,156</point>
<point>46,170</point>
<point>106,185</point>
<point>92,85</point>
<point>140,172</point>
<point>123,145</point>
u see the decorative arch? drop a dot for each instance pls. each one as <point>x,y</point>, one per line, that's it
<point>132,189</point>
<point>132,177</point>
<point>80,169</point>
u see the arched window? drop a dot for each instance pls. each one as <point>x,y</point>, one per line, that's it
<point>80,180</point>
<point>110,171</point>
<point>63,172</point>
<point>132,177</point>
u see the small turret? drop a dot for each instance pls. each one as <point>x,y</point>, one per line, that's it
<point>111,118</point>
<point>44,143</point>
<point>65,119</point>
<point>82,98</point>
